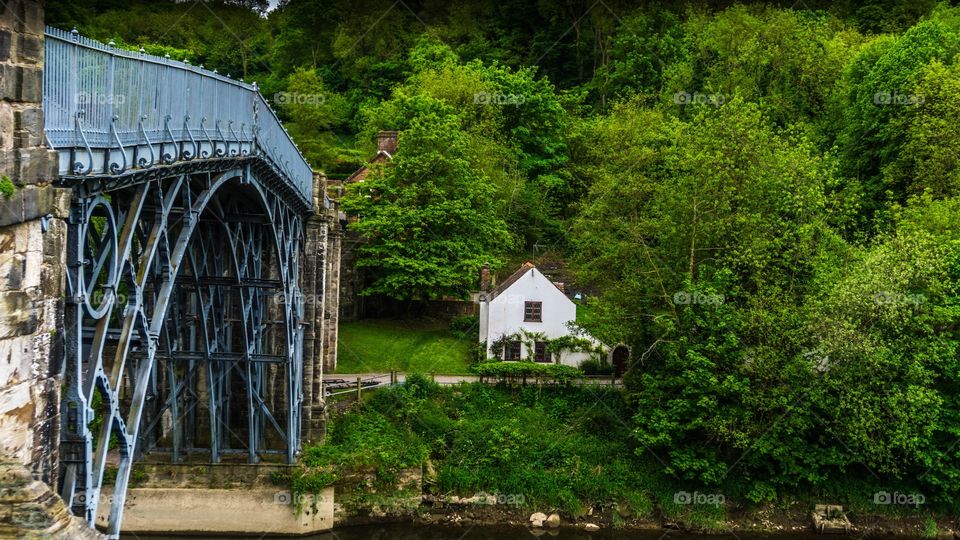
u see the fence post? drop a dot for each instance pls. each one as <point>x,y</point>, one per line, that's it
<point>433,376</point>
<point>613,377</point>
<point>359,388</point>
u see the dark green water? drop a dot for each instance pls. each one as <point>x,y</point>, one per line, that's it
<point>424,532</point>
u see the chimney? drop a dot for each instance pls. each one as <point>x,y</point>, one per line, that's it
<point>485,278</point>
<point>560,286</point>
<point>387,141</point>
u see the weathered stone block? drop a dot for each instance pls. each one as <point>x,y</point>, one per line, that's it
<point>9,77</point>
<point>28,127</point>
<point>6,44</point>
<point>7,125</point>
<point>21,83</point>
<point>22,16</point>
<point>51,308</point>
<point>52,280</point>
<point>16,360</point>
<point>53,242</point>
<point>36,166</point>
<point>12,268</point>
<point>32,202</point>
<point>8,162</point>
<point>8,240</point>
<point>31,84</point>
<point>11,15</point>
<point>11,477</point>
<point>17,314</point>
<point>30,48</point>
<point>29,236</point>
<point>32,263</point>
<point>16,418</point>
<point>35,510</point>
<point>33,515</point>
<point>32,18</point>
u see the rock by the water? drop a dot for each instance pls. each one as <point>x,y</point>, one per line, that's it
<point>830,518</point>
<point>537,519</point>
<point>553,521</point>
<point>592,527</point>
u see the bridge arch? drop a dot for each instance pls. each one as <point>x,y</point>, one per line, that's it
<point>195,294</point>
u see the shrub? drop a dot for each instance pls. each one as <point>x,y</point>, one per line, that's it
<point>7,187</point>
<point>421,386</point>
<point>596,367</point>
<point>465,326</point>
<point>522,370</point>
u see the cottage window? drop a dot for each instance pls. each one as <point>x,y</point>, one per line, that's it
<point>540,352</point>
<point>513,350</point>
<point>533,312</point>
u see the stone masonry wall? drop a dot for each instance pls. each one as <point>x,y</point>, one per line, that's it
<point>30,509</point>
<point>351,278</point>
<point>32,252</point>
<point>331,305</point>
<point>320,294</point>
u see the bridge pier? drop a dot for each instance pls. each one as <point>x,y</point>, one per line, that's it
<point>321,282</point>
<point>33,233</point>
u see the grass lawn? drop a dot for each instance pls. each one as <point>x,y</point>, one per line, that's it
<point>379,345</point>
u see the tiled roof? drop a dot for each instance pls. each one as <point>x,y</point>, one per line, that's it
<point>524,268</point>
<point>362,172</point>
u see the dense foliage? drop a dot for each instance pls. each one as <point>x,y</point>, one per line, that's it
<point>765,198</point>
<point>564,448</point>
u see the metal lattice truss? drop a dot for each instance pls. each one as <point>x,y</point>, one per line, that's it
<point>183,326</point>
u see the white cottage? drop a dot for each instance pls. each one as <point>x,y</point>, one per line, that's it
<point>527,300</point>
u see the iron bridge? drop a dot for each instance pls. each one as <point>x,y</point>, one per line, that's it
<point>183,331</point>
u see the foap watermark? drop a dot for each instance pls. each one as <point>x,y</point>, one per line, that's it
<point>514,299</point>
<point>487,98</point>
<point>896,98</point>
<point>298,298</point>
<point>904,499</point>
<point>697,98</point>
<point>697,498</point>
<point>297,499</point>
<point>507,499</point>
<point>684,298</point>
<point>900,299</point>
<point>298,98</point>
<point>99,296</point>
<point>87,98</point>
<point>80,498</point>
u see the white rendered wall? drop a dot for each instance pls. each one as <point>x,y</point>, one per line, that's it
<point>504,314</point>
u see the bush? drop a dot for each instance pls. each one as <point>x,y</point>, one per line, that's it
<point>522,370</point>
<point>548,447</point>
<point>596,367</point>
<point>465,326</point>
<point>421,386</point>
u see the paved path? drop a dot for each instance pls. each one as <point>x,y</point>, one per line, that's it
<point>337,383</point>
<point>385,377</point>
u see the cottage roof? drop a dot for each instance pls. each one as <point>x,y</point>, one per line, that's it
<point>514,277</point>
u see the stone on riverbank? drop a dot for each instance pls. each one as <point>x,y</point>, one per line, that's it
<point>553,521</point>
<point>537,519</point>
<point>829,518</point>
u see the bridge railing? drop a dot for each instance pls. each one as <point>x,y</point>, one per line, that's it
<point>109,110</point>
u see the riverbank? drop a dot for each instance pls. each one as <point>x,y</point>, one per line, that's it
<point>481,455</point>
<point>482,510</point>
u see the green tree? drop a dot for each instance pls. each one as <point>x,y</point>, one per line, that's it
<point>427,215</point>
<point>314,112</point>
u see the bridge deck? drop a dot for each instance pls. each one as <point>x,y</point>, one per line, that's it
<point>110,111</point>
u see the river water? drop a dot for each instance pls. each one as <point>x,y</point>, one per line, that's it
<point>435,532</point>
